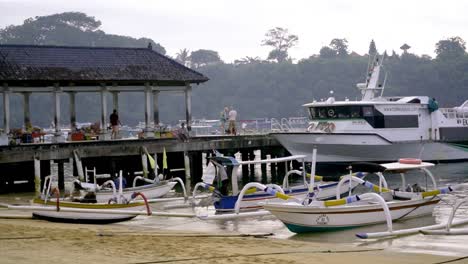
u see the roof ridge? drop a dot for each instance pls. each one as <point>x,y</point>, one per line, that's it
<point>70,47</point>
<point>173,61</point>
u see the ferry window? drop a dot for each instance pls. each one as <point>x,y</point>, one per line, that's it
<point>322,112</point>
<point>342,112</point>
<point>313,113</point>
<point>355,111</point>
<point>401,121</point>
<point>331,112</point>
<point>367,111</point>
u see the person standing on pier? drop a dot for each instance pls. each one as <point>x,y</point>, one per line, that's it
<point>232,121</point>
<point>115,122</point>
<point>223,118</point>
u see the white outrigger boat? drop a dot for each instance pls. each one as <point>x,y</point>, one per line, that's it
<point>381,129</point>
<point>253,194</point>
<point>152,189</point>
<point>88,210</point>
<point>363,209</point>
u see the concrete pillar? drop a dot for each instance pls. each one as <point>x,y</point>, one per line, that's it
<point>72,111</point>
<point>115,101</point>
<point>58,133</point>
<point>252,166</point>
<point>26,110</point>
<point>149,131</point>
<point>188,180</point>
<point>156,108</point>
<point>37,176</point>
<point>188,106</point>
<point>263,166</point>
<point>6,109</point>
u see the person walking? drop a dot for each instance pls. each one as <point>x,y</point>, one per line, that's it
<point>232,121</point>
<point>115,122</point>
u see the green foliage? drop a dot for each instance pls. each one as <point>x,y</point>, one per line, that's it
<point>69,29</point>
<point>281,41</point>
<point>203,57</point>
<point>183,57</point>
<point>450,48</point>
<point>340,46</point>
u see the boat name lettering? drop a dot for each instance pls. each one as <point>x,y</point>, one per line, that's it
<point>463,122</point>
<point>398,109</point>
<point>359,122</point>
<point>322,219</point>
<point>327,127</point>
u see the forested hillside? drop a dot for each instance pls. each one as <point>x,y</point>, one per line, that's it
<point>275,87</point>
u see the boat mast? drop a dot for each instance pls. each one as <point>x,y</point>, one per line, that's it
<point>371,88</point>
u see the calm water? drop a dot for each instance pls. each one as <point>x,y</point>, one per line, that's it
<point>443,245</point>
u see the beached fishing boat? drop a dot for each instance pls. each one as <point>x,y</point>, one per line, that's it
<point>364,209</point>
<point>226,189</point>
<point>152,188</point>
<point>83,210</point>
<point>107,191</point>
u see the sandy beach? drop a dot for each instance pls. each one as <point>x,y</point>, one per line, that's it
<point>36,241</point>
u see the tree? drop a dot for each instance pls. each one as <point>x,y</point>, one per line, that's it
<point>340,46</point>
<point>183,56</point>
<point>69,29</point>
<point>327,52</point>
<point>450,48</point>
<point>248,60</point>
<point>372,48</point>
<point>281,41</point>
<point>203,57</point>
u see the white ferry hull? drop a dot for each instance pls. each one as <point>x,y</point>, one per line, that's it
<point>367,147</point>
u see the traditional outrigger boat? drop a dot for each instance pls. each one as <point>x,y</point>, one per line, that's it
<point>253,194</point>
<point>153,188</point>
<point>364,209</point>
<point>87,210</point>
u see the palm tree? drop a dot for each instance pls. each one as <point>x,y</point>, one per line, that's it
<point>183,56</point>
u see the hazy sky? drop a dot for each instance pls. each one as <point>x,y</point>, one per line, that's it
<point>236,28</point>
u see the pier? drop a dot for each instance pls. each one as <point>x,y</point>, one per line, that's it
<point>23,162</point>
<point>27,70</point>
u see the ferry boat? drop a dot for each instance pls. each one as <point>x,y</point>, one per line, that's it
<point>381,129</point>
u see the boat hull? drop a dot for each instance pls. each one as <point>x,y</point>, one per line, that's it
<point>150,191</point>
<point>255,201</point>
<point>302,219</point>
<point>80,218</point>
<point>345,148</point>
<point>93,213</point>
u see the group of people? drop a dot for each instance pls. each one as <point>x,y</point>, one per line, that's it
<point>228,116</point>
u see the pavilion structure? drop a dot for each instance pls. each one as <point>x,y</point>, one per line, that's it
<point>27,69</point>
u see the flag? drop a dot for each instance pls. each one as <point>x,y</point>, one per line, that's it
<point>151,160</point>
<point>164,162</point>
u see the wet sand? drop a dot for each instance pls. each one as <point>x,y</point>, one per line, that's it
<point>36,241</point>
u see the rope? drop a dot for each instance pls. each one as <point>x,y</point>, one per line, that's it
<point>399,218</point>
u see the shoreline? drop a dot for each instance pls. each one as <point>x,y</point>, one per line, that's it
<point>37,241</point>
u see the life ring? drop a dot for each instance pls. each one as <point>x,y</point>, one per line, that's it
<point>409,161</point>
